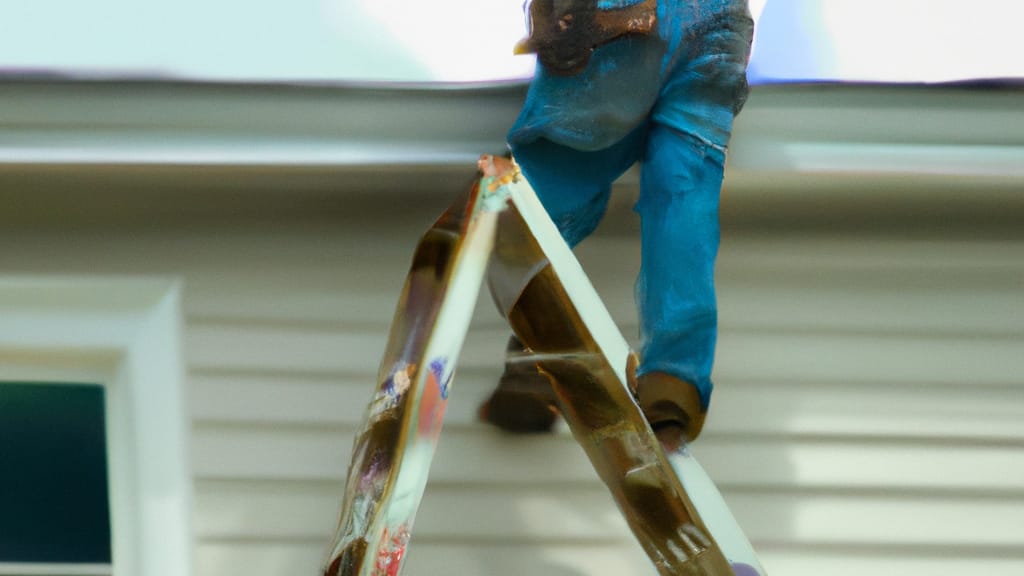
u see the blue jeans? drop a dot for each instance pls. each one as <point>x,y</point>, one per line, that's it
<point>667,101</point>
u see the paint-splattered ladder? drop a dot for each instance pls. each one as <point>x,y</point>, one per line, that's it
<point>672,506</point>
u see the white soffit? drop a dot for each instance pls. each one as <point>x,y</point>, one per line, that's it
<point>839,130</point>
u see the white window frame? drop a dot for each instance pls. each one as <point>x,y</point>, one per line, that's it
<point>126,334</point>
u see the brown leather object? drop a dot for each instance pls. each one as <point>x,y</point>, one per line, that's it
<point>524,401</point>
<point>564,38</point>
<point>672,406</point>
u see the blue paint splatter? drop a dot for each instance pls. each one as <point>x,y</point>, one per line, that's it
<point>440,369</point>
<point>395,386</point>
<point>744,570</point>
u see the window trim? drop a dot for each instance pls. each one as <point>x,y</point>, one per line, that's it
<point>126,334</point>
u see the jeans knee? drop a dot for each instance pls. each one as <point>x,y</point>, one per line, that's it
<point>681,166</point>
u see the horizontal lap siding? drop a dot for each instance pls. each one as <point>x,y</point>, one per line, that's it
<point>580,513</point>
<point>511,559</point>
<point>855,408</point>
<point>867,417</point>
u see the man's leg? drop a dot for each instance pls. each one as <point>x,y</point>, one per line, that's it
<point>680,184</point>
<point>574,187</point>
<point>680,187</point>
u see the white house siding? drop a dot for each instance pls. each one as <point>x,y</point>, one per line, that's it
<point>868,418</point>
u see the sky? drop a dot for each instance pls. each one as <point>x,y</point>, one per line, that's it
<point>889,40</point>
<point>471,40</point>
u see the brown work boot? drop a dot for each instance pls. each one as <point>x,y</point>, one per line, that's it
<point>672,407</point>
<point>524,401</point>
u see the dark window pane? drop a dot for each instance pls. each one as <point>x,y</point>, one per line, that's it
<point>53,474</point>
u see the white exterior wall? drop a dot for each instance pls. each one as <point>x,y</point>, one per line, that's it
<point>868,418</point>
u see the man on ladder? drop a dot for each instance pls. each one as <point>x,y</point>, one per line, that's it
<point>618,82</point>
